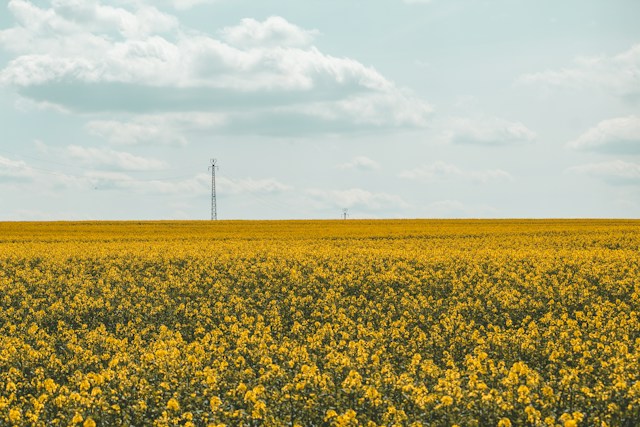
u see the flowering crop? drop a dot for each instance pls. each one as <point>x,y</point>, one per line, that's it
<point>320,323</point>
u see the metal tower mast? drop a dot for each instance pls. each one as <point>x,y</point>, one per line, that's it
<point>214,207</point>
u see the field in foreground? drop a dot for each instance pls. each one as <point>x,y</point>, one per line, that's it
<point>318,323</point>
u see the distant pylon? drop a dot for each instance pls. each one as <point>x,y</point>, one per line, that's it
<point>214,207</point>
<point>345,213</point>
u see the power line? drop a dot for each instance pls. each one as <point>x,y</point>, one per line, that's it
<point>273,203</point>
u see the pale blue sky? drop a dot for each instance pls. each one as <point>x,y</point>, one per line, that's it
<point>111,109</point>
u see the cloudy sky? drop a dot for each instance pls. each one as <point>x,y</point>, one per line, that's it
<point>112,109</point>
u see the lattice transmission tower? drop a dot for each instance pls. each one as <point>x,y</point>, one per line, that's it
<point>214,208</point>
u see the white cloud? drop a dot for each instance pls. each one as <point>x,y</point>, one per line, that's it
<point>197,185</point>
<point>250,185</point>
<point>618,74</point>
<point>618,135</point>
<point>18,173</point>
<point>174,128</point>
<point>159,129</point>
<point>188,4</point>
<point>274,31</point>
<point>437,170</point>
<point>361,163</point>
<point>15,170</point>
<point>356,198</point>
<point>25,105</point>
<point>138,60</point>
<point>442,171</point>
<point>194,61</point>
<point>14,173</point>
<point>88,24</point>
<point>104,157</point>
<point>487,131</point>
<point>389,108</point>
<point>616,172</point>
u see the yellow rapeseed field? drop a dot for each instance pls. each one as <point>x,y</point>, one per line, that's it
<point>320,323</point>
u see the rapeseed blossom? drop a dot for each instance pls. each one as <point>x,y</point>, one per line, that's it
<point>373,323</point>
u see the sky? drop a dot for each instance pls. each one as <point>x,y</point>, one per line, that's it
<point>113,109</point>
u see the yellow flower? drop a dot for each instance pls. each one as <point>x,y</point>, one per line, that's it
<point>259,409</point>
<point>347,419</point>
<point>330,414</point>
<point>578,416</point>
<point>15,415</point>
<point>173,404</point>
<point>215,403</point>
<point>371,309</point>
<point>50,385</point>
<point>77,418</point>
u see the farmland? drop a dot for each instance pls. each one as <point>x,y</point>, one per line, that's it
<point>320,323</point>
